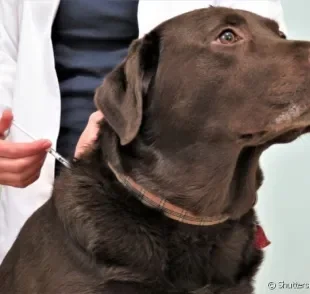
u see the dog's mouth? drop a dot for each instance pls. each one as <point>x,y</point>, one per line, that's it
<point>289,136</point>
<point>281,133</point>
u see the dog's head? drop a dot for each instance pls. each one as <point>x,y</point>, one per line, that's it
<point>198,99</point>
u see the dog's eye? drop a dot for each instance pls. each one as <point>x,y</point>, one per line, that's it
<point>228,37</point>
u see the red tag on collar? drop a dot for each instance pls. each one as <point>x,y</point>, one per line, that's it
<point>261,240</point>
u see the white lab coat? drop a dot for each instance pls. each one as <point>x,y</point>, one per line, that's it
<point>29,85</point>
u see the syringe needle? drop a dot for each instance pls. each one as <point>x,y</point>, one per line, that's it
<point>52,151</point>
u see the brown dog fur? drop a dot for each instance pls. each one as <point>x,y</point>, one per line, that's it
<point>187,117</point>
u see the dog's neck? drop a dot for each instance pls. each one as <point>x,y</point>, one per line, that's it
<point>222,182</point>
<point>170,210</point>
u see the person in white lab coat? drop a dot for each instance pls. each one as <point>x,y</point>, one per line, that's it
<point>47,59</point>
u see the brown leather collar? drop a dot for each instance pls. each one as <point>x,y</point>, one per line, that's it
<point>170,210</point>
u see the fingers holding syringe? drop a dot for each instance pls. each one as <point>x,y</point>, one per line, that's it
<point>20,150</point>
<point>20,163</point>
<point>21,172</point>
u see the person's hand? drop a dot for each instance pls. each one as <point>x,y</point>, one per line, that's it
<point>20,163</point>
<point>89,134</point>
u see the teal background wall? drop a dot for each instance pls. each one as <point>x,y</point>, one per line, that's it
<point>284,199</point>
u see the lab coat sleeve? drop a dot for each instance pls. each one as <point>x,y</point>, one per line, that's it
<point>8,49</point>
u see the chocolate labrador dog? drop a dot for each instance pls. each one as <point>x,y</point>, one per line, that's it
<point>163,201</point>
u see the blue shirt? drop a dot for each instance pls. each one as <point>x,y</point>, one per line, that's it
<point>90,37</point>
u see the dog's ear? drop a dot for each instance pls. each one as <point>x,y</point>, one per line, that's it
<point>120,97</point>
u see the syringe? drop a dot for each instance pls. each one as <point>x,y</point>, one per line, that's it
<point>51,151</point>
